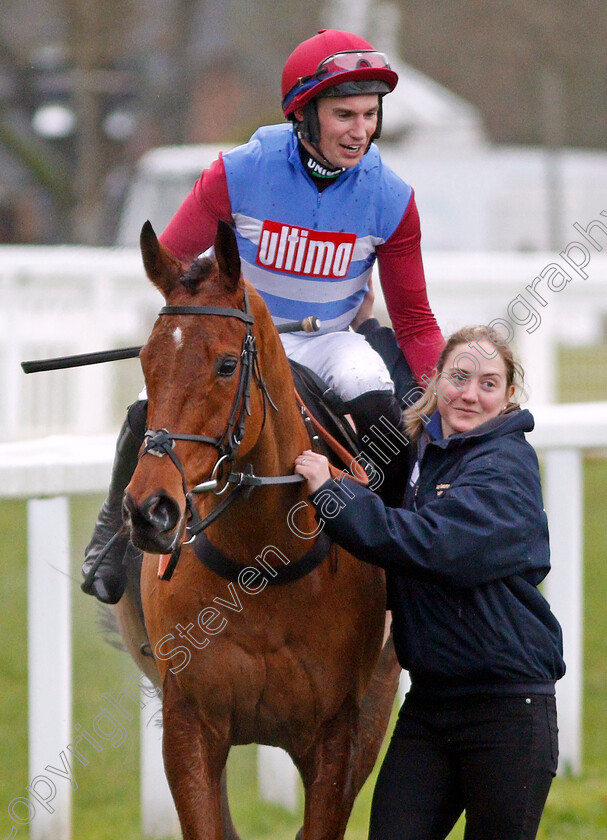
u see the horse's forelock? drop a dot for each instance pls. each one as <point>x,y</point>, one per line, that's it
<point>201,269</point>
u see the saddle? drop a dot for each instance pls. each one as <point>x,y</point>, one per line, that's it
<point>326,413</point>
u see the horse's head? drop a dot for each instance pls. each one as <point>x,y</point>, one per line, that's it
<point>202,379</point>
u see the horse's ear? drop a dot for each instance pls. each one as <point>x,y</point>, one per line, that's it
<point>226,253</point>
<point>163,269</point>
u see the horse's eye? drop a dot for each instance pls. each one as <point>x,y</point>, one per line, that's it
<point>226,365</point>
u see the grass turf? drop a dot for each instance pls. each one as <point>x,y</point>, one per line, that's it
<point>106,802</point>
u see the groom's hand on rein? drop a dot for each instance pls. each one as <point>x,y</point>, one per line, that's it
<point>314,468</point>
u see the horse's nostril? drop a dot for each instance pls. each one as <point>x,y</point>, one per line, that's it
<point>151,525</point>
<point>161,511</point>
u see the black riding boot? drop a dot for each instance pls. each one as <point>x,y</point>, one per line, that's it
<point>378,419</point>
<point>103,569</point>
<point>383,341</point>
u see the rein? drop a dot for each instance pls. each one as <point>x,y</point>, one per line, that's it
<point>160,442</point>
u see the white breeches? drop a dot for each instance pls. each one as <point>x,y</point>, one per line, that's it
<point>344,360</point>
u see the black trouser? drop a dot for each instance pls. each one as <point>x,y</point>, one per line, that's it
<point>493,757</point>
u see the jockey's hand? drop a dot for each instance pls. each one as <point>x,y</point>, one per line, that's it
<point>366,308</point>
<point>314,468</point>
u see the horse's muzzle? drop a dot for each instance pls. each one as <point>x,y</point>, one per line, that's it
<point>153,523</point>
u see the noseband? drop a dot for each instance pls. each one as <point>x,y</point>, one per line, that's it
<point>161,442</point>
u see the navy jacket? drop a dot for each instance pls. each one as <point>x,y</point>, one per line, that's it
<point>464,557</point>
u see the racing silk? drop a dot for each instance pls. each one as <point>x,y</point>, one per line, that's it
<point>244,190</point>
<point>309,252</point>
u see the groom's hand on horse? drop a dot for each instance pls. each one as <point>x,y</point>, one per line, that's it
<point>314,468</point>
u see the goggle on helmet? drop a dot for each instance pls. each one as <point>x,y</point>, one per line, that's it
<point>334,59</point>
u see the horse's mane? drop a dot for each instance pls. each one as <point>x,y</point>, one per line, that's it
<point>201,269</point>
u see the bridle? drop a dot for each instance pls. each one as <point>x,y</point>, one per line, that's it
<point>161,442</point>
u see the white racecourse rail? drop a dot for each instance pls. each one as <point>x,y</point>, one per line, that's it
<point>65,300</point>
<point>47,471</point>
<point>59,301</point>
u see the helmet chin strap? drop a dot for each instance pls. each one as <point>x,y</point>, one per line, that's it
<point>308,129</point>
<point>321,158</point>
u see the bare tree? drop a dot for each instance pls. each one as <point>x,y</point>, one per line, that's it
<point>96,43</point>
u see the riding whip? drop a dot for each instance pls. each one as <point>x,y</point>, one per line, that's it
<point>309,324</point>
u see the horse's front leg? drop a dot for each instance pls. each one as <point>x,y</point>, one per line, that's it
<point>328,772</point>
<point>194,759</point>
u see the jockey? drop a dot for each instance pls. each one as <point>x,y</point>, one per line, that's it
<point>313,207</point>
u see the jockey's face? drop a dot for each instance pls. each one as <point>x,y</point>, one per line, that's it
<point>347,124</point>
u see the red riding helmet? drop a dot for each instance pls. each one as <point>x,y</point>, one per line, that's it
<point>330,59</point>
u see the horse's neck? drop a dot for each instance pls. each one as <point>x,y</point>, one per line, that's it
<point>282,438</point>
<point>265,518</point>
<point>284,434</point>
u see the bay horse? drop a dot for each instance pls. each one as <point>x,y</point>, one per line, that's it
<point>298,665</point>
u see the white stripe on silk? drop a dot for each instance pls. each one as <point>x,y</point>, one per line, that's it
<point>295,287</point>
